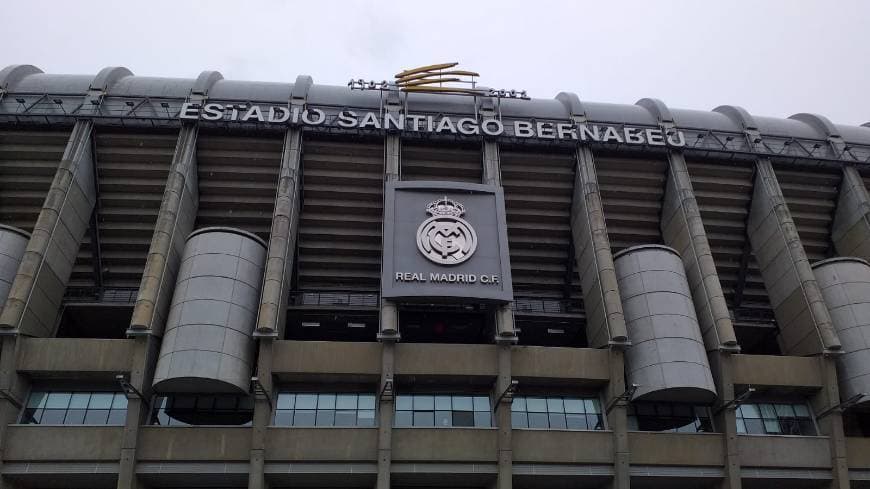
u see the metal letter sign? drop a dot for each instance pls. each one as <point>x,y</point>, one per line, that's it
<point>446,238</point>
<point>458,253</point>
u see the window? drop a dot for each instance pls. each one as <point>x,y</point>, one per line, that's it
<point>556,413</point>
<point>669,416</point>
<point>192,409</point>
<point>775,419</point>
<point>442,411</point>
<point>300,409</point>
<point>72,407</point>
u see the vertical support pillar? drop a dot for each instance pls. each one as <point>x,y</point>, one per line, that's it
<point>832,424</point>
<point>726,421</point>
<point>16,386</point>
<point>34,300</point>
<point>175,221</point>
<point>851,230</point>
<point>804,322</point>
<point>263,406</point>
<point>505,330</point>
<point>605,324</point>
<point>617,419</point>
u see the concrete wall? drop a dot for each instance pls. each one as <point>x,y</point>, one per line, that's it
<point>770,370</point>
<point>784,451</point>
<point>706,449</point>
<point>562,447</point>
<point>322,444</point>
<point>49,356</point>
<point>560,363</point>
<point>446,359</point>
<point>194,443</point>
<point>307,358</point>
<point>444,445</point>
<point>63,443</point>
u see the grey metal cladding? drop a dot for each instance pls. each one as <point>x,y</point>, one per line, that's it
<point>13,242</point>
<point>208,344</point>
<point>667,357</point>
<point>850,232</point>
<point>27,79</point>
<point>405,209</point>
<point>845,284</point>
<point>804,323</point>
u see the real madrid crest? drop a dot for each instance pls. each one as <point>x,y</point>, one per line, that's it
<point>446,238</point>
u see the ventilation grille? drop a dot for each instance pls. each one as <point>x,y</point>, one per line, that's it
<point>132,171</point>
<point>441,163</point>
<point>538,190</point>
<point>238,177</point>
<point>339,244</point>
<point>632,191</point>
<point>28,162</point>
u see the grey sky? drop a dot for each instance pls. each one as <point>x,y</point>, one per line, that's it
<point>774,58</point>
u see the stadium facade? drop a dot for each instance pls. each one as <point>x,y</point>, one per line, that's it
<point>226,284</point>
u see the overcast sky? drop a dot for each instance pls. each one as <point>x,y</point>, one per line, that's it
<point>774,58</point>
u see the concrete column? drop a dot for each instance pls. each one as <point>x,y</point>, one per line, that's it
<point>725,418</point>
<point>13,384</point>
<point>34,300</point>
<point>851,229</point>
<point>175,221</point>
<point>282,240</point>
<point>832,424</point>
<point>263,409</point>
<point>138,414</point>
<point>804,322</point>
<point>617,420</point>
<point>605,324</point>
<point>683,230</point>
<point>386,398</point>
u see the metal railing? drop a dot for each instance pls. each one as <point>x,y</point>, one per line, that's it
<point>115,295</point>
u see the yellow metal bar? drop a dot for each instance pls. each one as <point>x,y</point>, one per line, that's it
<point>414,71</point>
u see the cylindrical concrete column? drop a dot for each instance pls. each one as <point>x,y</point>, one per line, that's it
<point>845,284</point>
<point>667,357</point>
<point>13,243</point>
<point>208,344</point>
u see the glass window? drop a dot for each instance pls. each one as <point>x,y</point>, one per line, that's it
<point>75,408</point>
<point>777,418</point>
<point>442,411</point>
<point>324,409</point>
<point>556,413</point>
<point>669,416</point>
<point>195,410</point>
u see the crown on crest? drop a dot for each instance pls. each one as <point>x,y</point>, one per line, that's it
<point>445,207</point>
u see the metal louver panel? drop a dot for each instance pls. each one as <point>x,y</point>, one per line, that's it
<point>237,181</point>
<point>339,243</point>
<point>132,170</point>
<point>441,163</point>
<point>28,162</point>
<point>632,191</point>
<point>812,201</point>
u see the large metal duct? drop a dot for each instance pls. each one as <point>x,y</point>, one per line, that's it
<point>207,345</point>
<point>845,284</point>
<point>13,242</point>
<point>667,357</point>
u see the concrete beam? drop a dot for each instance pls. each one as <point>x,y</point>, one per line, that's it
<point>804,322</point>
<point>851,230</point>
<point>175,221</point>
<point>37,291</point>
<point>605,324</point>
<point>389,315</point>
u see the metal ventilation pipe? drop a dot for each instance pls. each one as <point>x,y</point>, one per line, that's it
<point>208,344</point>
<point>667,358</point>
<point>845,284</point>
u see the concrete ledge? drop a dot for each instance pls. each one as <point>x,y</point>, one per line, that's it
<point>697,449</point>
<point>560,363</point>
<point>771,370</point>
<point>298,360</point>
<point>444,445</point>
<point>446,359</point>
<point>858,452</point>
<point>61,356</point>
<point>784,451</point>
<point>562,447</point>
<point>188,443</point>
<point>321,444</point>
<point>63,443</point>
